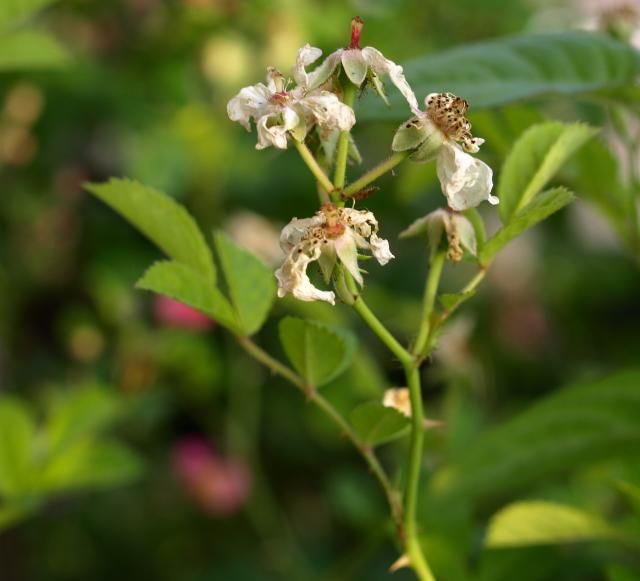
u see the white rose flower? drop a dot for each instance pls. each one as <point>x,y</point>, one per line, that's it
<point>332,234</point>
<point>442,132</point>
<point>279,113</point>
<point>357,63</point>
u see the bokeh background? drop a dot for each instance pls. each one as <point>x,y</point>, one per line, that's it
<point>225,472</point>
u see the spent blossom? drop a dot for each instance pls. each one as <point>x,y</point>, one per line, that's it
<point>278,112</point>
<point>358,63</point>
<point>332,234</point>
<point>459,231</point>
<point>442,132</point>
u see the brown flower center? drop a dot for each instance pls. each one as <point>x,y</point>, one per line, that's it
<point>447,112</point>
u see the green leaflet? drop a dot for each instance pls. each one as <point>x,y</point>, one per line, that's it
<point>533,161</point>
<point>14,12</point>
<point>251,284</point>
<point>165,222</point>
<point>377,424</point>
<point>543,523</point>
<point>180,282</point>
<point>318,352</point>
<point>510,69</point>
<point>578,424</point>
<point>30,49</point>
<point>540,208</point>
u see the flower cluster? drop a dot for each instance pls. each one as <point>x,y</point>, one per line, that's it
<point>285,109</point>
<point>332,234</point>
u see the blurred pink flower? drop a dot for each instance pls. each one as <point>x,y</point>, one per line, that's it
<point>172,313</point>
<point>220,486</point>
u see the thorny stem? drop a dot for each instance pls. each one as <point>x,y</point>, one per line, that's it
<point>411,543</point>
<point>343,140</point>
<point>429,300</point>
<point>393,496</point>
<point>315,169</point>
<point>374,173</point>
<point>413,548</point>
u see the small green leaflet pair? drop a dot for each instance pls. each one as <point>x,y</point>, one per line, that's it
<point>318,352</point>
<point>191,275</point>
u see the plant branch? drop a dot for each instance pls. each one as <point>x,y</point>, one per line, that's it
<point>410,538</point>
<point>343,140</point>
<point>376,325</point>
<point>315,169</point>
<point>429,300</point>
<point>393,497</point>
<point>374,173</point>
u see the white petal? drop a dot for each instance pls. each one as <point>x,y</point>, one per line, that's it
<point>294,231</point>
<point>383,66</point>
<point>250,102</point>
<point>275,135</point>
<point>380,249</point>
<point>306,55</point>
<point>465,180</point>
<point>355,65</point>
<point>329,111</point>
<point>398,398</point>
<point>347,251</point>
<point>292,278</point>
<point>290,118</point>
<point>465,232</point>
<point>324,71</point>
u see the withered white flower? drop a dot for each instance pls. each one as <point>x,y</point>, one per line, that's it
<point>442,132</point>
<point>358,64</point>
<point>332,234</point>
<point>399,399</point>
<point>278,112</point>
<point>460,233</point>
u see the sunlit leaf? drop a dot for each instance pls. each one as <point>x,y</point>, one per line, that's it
<point>543,523</point>
<point>180,282</point>
<point>251,284</point>
<point>90,463</point>
<point>377,424</point>
<point>30,49</point>
<point>505,70</point>
<point>317,352</point>
<point>17,431</point>
<point>541,207</point>
<point>77,413</point>
<point>165,222</point>
<point>533,161</point>
<point>13,12</point>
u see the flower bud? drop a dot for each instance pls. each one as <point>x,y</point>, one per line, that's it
<point>420,135</point>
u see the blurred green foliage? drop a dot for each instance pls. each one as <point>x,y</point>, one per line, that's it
<point>138,88</point>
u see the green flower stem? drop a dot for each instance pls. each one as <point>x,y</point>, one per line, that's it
<point>315,168</point>
<point>374,173</point>
<point>410,538</point>
<point>446,313</point>
<point>376,326</point>
<point>392,494</point>
<point>343,140</point>
<point>413,548</point>
<point>429,301</point>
